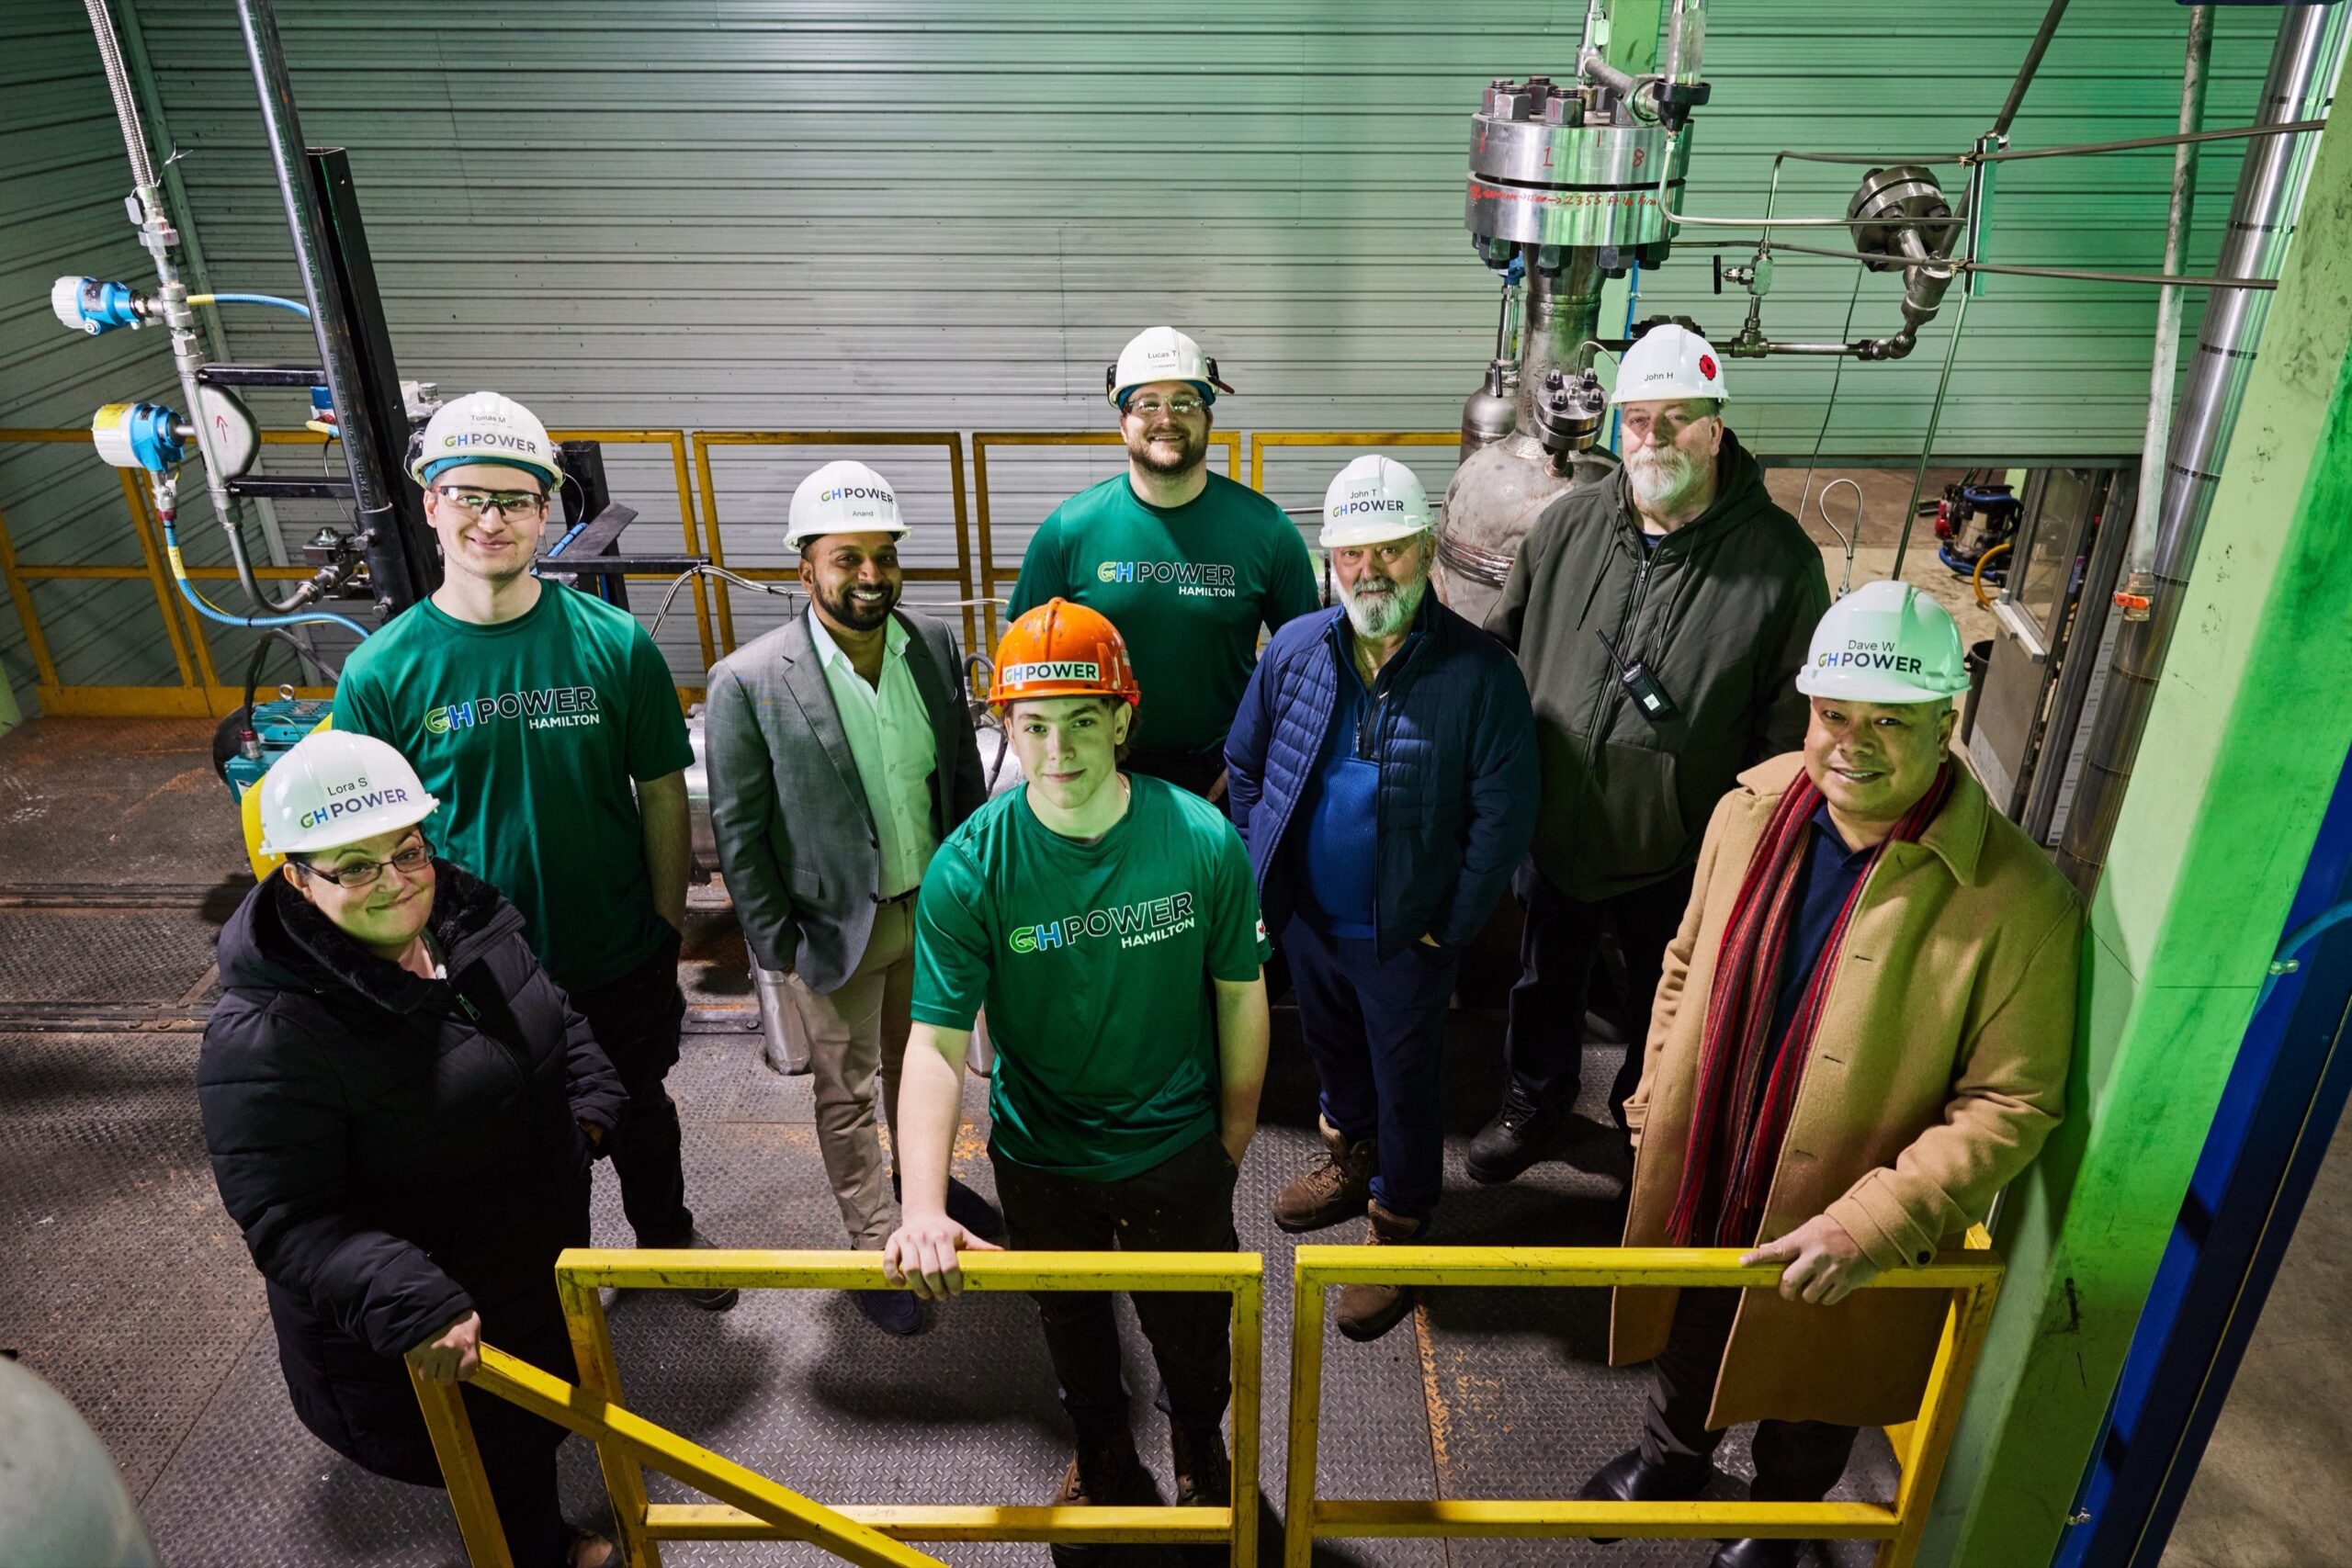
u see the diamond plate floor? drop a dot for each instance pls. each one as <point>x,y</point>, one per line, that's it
<point>125,1285</point>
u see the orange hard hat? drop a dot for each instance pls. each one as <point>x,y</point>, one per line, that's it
<point>1062,649</point>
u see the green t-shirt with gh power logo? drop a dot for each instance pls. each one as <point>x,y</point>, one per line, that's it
<point>531,732</point>
<point>1187,586</point>
<point>1094,961</point>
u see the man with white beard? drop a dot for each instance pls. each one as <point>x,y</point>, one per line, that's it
<point>1661,622</point>
<point>1382,770</point>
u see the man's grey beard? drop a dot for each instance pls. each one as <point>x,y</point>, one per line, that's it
<point>1661,478</point>
<point>1383,613</point>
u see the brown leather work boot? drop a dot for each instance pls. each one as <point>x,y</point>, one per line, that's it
<point>1333,1191</point>
<point>1367,1312</point>
<point>1204,1474</point>
<point>1104,1472</point>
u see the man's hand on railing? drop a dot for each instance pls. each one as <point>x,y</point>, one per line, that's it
<point>921,1255</point>
<point>1825,1265</point>
<point>451,1355</point>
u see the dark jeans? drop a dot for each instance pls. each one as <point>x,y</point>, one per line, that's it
<point>637,1019</point>
<point>1556,948</point>
<point>1796,1462</point>
<point>1183,1204</point>
<point>1194,771</point>
<point>1376,1032</point>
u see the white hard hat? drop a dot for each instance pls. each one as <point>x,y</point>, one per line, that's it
<point>842,497</point>
<point>1668,361</point>
<point>1374,500</point>
<point>1885,642</point>
<point>484,427</point>
<point>1161,354</point>
<point>334,788</point>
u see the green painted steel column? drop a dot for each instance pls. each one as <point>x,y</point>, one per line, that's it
<point>2248,737</point>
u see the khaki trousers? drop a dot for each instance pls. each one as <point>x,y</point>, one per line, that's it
<point>857,1042</point>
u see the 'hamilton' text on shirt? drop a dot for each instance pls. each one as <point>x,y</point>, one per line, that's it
<point>1154,920</point>
<point>551,707</point>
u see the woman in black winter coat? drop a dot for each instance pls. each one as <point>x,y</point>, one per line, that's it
<point>402,1109</point>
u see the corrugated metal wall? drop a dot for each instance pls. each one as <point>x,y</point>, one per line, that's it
<point>949,217</point>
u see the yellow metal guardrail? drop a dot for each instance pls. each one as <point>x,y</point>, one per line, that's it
<point>750,1506</point>
<point>704,440</point>
<point>1259,441</point>
<point>991,569</point>
<point>1973,1279</point>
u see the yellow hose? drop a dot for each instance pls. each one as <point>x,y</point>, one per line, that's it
<point>1976,578</point>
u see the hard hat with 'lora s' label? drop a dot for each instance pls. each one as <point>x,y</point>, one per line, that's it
<point>842,497</point>
<point>1374,500</point>
<point>1160,354</point>
<point>1063,649</point>
<point>1668,361</point>
<point>484,427</point>
<point>334,788</point>
<point>1885,642</point>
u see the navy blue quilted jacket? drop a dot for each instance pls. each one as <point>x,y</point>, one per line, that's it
<point>1458,771</point>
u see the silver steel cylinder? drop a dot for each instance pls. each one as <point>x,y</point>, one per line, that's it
<point>1552,169</point>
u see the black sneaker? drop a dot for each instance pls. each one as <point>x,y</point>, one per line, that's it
<point>892,1311</point>
<point>719,1300</point>
<point>1521,1133</point>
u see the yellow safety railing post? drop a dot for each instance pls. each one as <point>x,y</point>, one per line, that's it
<point>460,1457</point>
<point>600,1374</point>
<point>1971,1278</point>
<point>1248,1380</point>
<point>990,571</point>
<point>21,593</point>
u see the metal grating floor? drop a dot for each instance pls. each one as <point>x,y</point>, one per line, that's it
<point>125,1286</point>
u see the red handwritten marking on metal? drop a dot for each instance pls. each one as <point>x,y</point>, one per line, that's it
<point>1565,199</point>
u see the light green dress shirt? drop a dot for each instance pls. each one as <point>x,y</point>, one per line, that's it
<point>890,741</point>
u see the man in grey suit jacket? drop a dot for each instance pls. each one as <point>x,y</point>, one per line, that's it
<point>840,752</point>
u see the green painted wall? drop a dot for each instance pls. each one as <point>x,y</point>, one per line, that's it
<point>2245,742</point>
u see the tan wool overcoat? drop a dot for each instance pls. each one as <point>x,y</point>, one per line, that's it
<point>1939,1069</point>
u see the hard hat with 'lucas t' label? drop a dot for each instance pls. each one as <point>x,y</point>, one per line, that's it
<point>1885,642</point>
<point>334,788</point>
<point>1161,354</point>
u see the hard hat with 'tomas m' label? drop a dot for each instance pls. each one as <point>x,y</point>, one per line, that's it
<point>842,497</point>
<point>1063,649</point>
<point>1885,642</point>
<point>334,788</point>
<point>484,427</point>
<point>1160,354</point>
<point>1668,361</point>
<point>1376,499</point>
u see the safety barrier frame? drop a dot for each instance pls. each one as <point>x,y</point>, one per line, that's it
<point>750,1506</point>
<point>953,441</point>
<point>1971,1279</point>
<point>1261,441</point>
<point>990,570</point>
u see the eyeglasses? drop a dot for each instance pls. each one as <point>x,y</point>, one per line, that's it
<point>354,874</point>
<point>1152,408</point>
<point>474,502</point>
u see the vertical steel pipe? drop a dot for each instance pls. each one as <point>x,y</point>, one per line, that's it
<point>2301,81</point>
<point>330,313</point>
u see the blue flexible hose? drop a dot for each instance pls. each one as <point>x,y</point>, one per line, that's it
<point>294,305</point>
<point>2296,941</point>
<point>188,592</point>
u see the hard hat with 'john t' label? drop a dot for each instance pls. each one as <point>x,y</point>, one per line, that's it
<point>334,788</point>
<point>1376,499</point>
<point>1885,642</point>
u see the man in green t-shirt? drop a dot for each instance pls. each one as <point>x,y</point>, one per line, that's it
<point>1108,923</point>
<point>1186,563</point>
<point>532,711</point>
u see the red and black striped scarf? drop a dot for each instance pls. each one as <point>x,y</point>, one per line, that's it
<point>1746,1089</point>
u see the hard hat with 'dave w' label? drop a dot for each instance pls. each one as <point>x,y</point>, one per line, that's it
<point>1885,642</point>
